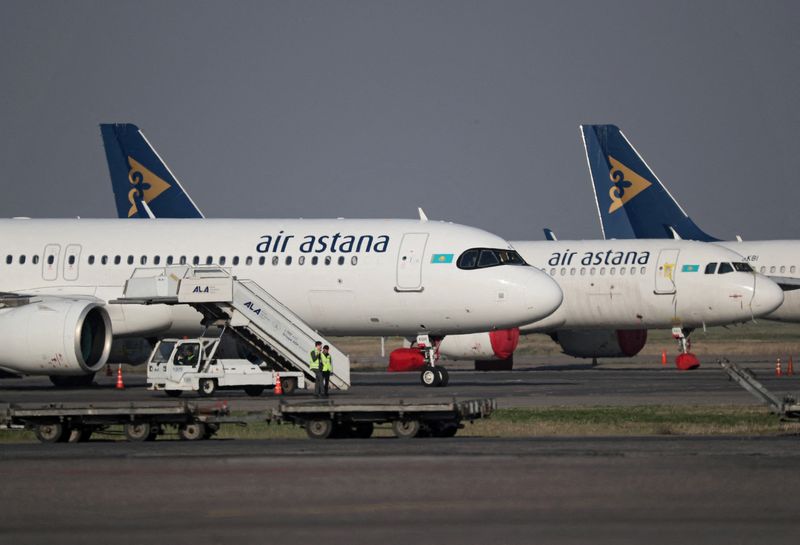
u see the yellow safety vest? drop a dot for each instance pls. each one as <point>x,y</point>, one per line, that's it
<point>327,367</point>
<point>315,359</point>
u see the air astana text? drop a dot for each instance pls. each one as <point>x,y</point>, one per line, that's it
<point>609,257</point>
<point>344,244</point>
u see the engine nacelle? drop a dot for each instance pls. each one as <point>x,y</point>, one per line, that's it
<point>493,345</point>
<point>599,343</point>
<point>55,337</point>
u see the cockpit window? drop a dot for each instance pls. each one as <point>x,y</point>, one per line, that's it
<point>725,268</point>
<point>743,267</point>
<point>480,258</point>
<point>711,268</point>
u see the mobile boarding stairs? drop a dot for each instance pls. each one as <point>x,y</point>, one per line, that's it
<point>259,320</point>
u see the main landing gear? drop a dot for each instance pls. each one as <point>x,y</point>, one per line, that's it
<point>433,376</point>
<point>685,360</point>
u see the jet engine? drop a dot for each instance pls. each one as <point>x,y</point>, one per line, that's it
<point>55,337</point>
<point>599,343</point>
<point>492,351</point>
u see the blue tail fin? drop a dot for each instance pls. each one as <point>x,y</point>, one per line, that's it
<point>143,184</point>
<point>631,200</point>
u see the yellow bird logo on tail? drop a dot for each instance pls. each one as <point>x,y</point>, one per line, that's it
<point>625,184</point>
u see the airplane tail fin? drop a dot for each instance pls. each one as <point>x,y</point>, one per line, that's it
<point>631,200</point>
<point>143,184</point>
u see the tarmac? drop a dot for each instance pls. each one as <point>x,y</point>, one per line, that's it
<point>464,490</point>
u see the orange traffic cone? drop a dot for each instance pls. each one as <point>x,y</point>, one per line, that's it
<point>278,390</point>
<point>120,384</point>
<point>663,357</point>
<point>778,368</point>
<point>790,367</point>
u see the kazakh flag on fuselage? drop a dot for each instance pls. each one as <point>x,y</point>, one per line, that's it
<point>442,258</point>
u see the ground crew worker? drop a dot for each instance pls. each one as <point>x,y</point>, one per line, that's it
<point>316,360</point>
<point>327,367</point>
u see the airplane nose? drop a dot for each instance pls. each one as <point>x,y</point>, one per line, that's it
<point>767,296</point>
<point>541,296</point>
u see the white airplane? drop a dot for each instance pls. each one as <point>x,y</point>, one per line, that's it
<point>633,203</point>
<point>615,290</point>
<point>342,277</point>
<point>623,289</point>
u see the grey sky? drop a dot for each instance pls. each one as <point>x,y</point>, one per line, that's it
<point>369,109</point>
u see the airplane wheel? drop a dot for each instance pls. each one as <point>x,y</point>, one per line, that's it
<point>254,391</point>
<point>319,429</point>
<point>406,429</point>
<point>444,376</point>
<point>207,387</point>
<point>173,393</point>
<point>137,431</point>
<point>430,377</point>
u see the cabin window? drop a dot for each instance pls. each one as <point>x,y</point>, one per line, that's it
<point>9,259</point>
<point>156,260</point>
<point>71,260</point>
<point>248,261</point>
<point>222,260</point>
<point>183,260</point>
<point>622,271</point>
<point>196,260</point>
<point>91,260</point>
<point>354,260</point>
<point>711,268</point>
<point>602,271</point>
<point>572,271</point>
<point>117,259</point>
<point>792,269</point>
<point>35,260</point>
<point>592,271</point>
<point>301,260</point>
<point>315,260</point>
<point>143,260</point>
<point>341,260</point>
<point>772,269</point>
<point>633,270</point>
<point>642,270</point>
<point>783,267</point>
<point>104,260</point>
<point>209,260</point>
<point>583,271</point>
<point>563,271</point>
<point>130,260</point>
<point>288,260</point>
<point>553,272</point>
<point>275,260</point>
<point>725,268</point>
<point>22,259</point>
<point>262,260</point>
<point>236,260</point>
<point>51,259</point>
<point>169,260</point>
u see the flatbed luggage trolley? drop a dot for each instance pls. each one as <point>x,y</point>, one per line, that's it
<point>327,419</point>
<point>62,423</point>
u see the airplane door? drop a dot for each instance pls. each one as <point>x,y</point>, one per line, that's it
<point>50,261</point>
<point>409,262</point>
<point>72,258</point>
<point>665,271</point>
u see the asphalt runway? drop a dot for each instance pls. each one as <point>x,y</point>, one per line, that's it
<point>570,385</point>
<point>439,491</point>
<point>462,490</point>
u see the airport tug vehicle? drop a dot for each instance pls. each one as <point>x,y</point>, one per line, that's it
<point>192,365</point>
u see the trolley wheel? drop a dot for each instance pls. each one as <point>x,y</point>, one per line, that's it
<point>207,387</point>
<point>289,385</point>
<point>54,432</point>
<point>320,428</point>
<point>192,431</point>
<point>211,429</point>
<point>444,376</point>
<point>430,377</point>
<point>363,430</point>
<point>406,429</point>
<point>254,391</point>
<point>137,431</point>
<point>173,393</point>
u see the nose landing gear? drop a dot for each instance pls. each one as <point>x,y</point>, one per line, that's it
<point>433,376</point>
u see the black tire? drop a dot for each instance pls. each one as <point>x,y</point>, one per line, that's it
<point>137,432</point>
<point>53,432</point>
<point>406,429</point>
<point>211,429</point>
<point>155,431</point>
<point>254,391</point>
<point>429,377</point>
<point>320,428</point>
<point>80,381</point>
<point>443,429</point>
<point>289,385</point>
<point>444,377</point>
<point>173,393</point>
<point>208,387</point>
<point>363,430</point>
<point>192,431</point>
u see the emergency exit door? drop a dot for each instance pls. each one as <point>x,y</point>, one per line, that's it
<point>665,271</point>
<point>50,261</point>
<point>72,258</point>
<point>409,261</point>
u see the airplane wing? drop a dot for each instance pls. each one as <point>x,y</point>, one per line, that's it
<point>786,283</point>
